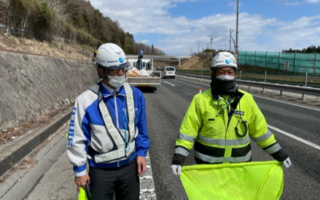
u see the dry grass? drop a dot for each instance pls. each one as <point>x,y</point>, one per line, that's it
<point>10,134</point>
<point>195,63</point>
<point>52,49</point>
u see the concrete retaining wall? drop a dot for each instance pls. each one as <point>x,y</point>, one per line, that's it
<point>33,85</point>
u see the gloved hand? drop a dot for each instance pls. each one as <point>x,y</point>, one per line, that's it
<point>176,169</point>
<point>287,163</point>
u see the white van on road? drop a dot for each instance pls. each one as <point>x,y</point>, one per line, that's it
<point>169,71</point>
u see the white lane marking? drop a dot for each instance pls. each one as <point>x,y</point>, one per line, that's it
<point>169,83</point>
<point>295,137</point>
<point>147,183</point>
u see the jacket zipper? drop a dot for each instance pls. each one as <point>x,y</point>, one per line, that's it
<point>117,120</point>
<point>116,109</point>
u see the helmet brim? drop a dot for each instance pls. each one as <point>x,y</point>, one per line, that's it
<point>124,65</point>
<point>221,66</point>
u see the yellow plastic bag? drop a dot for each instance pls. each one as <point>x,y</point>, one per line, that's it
<point>240,181</point>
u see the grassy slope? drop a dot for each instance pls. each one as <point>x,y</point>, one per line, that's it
<point>53,49</point>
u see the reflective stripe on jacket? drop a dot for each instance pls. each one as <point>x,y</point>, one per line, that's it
<point>124,146</point>
<point>206,125</point>
<point>109,141</point>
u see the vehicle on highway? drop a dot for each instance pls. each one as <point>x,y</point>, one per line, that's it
<point>169,72</point>
<point>146,76</point>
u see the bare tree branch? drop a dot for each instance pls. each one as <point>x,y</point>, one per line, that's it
<point>3,10</point>
<point>60,8</point>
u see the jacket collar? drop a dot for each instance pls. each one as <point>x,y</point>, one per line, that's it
<point>108,91</point>
<point>225,98</point>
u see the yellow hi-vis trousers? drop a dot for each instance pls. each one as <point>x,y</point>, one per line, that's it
<point>239,181</point>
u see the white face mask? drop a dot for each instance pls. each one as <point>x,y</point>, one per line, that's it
<point>226,77</point>
<point>117,81</point>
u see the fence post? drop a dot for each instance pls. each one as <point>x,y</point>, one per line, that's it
<point>265,61</point>
<point>294,63</point>
<point>279,62</point>
<point>255,57</point>
<point>265,76</point>
<point>315,63</point>
<point>306,79</point>
<point>245,59</point>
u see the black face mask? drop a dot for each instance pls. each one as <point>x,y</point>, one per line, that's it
<point>223,87</point>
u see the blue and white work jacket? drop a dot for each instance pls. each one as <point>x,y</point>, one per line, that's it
<point>108,128</point>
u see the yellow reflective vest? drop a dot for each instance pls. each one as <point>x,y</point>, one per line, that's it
<point>218,137</point>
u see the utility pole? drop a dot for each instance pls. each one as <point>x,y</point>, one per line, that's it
<point>211,42</point>
<point>198,47</point>
<point>230,39</point>
<point>208,46</point>
<point>237,31</point>
<point>234,43</point>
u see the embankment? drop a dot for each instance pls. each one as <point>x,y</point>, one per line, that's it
<point>34,85</point>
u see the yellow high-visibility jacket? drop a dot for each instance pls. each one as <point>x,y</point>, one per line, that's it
<point>218,136</point>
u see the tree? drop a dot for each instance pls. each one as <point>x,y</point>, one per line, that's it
<point>3,10</point>
<point>310,49</point>
<point>59,8</point>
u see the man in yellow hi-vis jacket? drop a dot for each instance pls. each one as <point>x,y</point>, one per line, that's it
<point>220,121</point>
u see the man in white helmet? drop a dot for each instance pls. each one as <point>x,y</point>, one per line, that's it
<point>220,121</point>
<point>108,132</point>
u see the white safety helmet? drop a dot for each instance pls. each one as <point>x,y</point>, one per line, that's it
<point>223,59</point>
<point>111,56</point>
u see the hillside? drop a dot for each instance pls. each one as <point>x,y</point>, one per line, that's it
<point>52,49</point>
<point>70,21</point>
<point>196,63</point>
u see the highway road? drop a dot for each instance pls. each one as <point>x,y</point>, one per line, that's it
<point>296,127</point>
<point>302,180</point>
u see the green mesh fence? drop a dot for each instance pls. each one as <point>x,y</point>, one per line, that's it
<point>296,62</point>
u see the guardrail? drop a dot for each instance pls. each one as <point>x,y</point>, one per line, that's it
<point>271,77</point>
<point>264,85</point>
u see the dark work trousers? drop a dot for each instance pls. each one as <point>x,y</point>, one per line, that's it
<point>124,181</point>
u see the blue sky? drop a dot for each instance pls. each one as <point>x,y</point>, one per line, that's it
<point>182,26</point>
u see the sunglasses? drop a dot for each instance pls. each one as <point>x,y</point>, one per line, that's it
<point>115,71</point>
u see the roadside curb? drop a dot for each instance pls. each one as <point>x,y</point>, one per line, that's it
<point>26,184</point>
<point>15,151</point>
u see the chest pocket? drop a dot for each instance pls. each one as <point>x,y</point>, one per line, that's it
<point>212,125</point>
